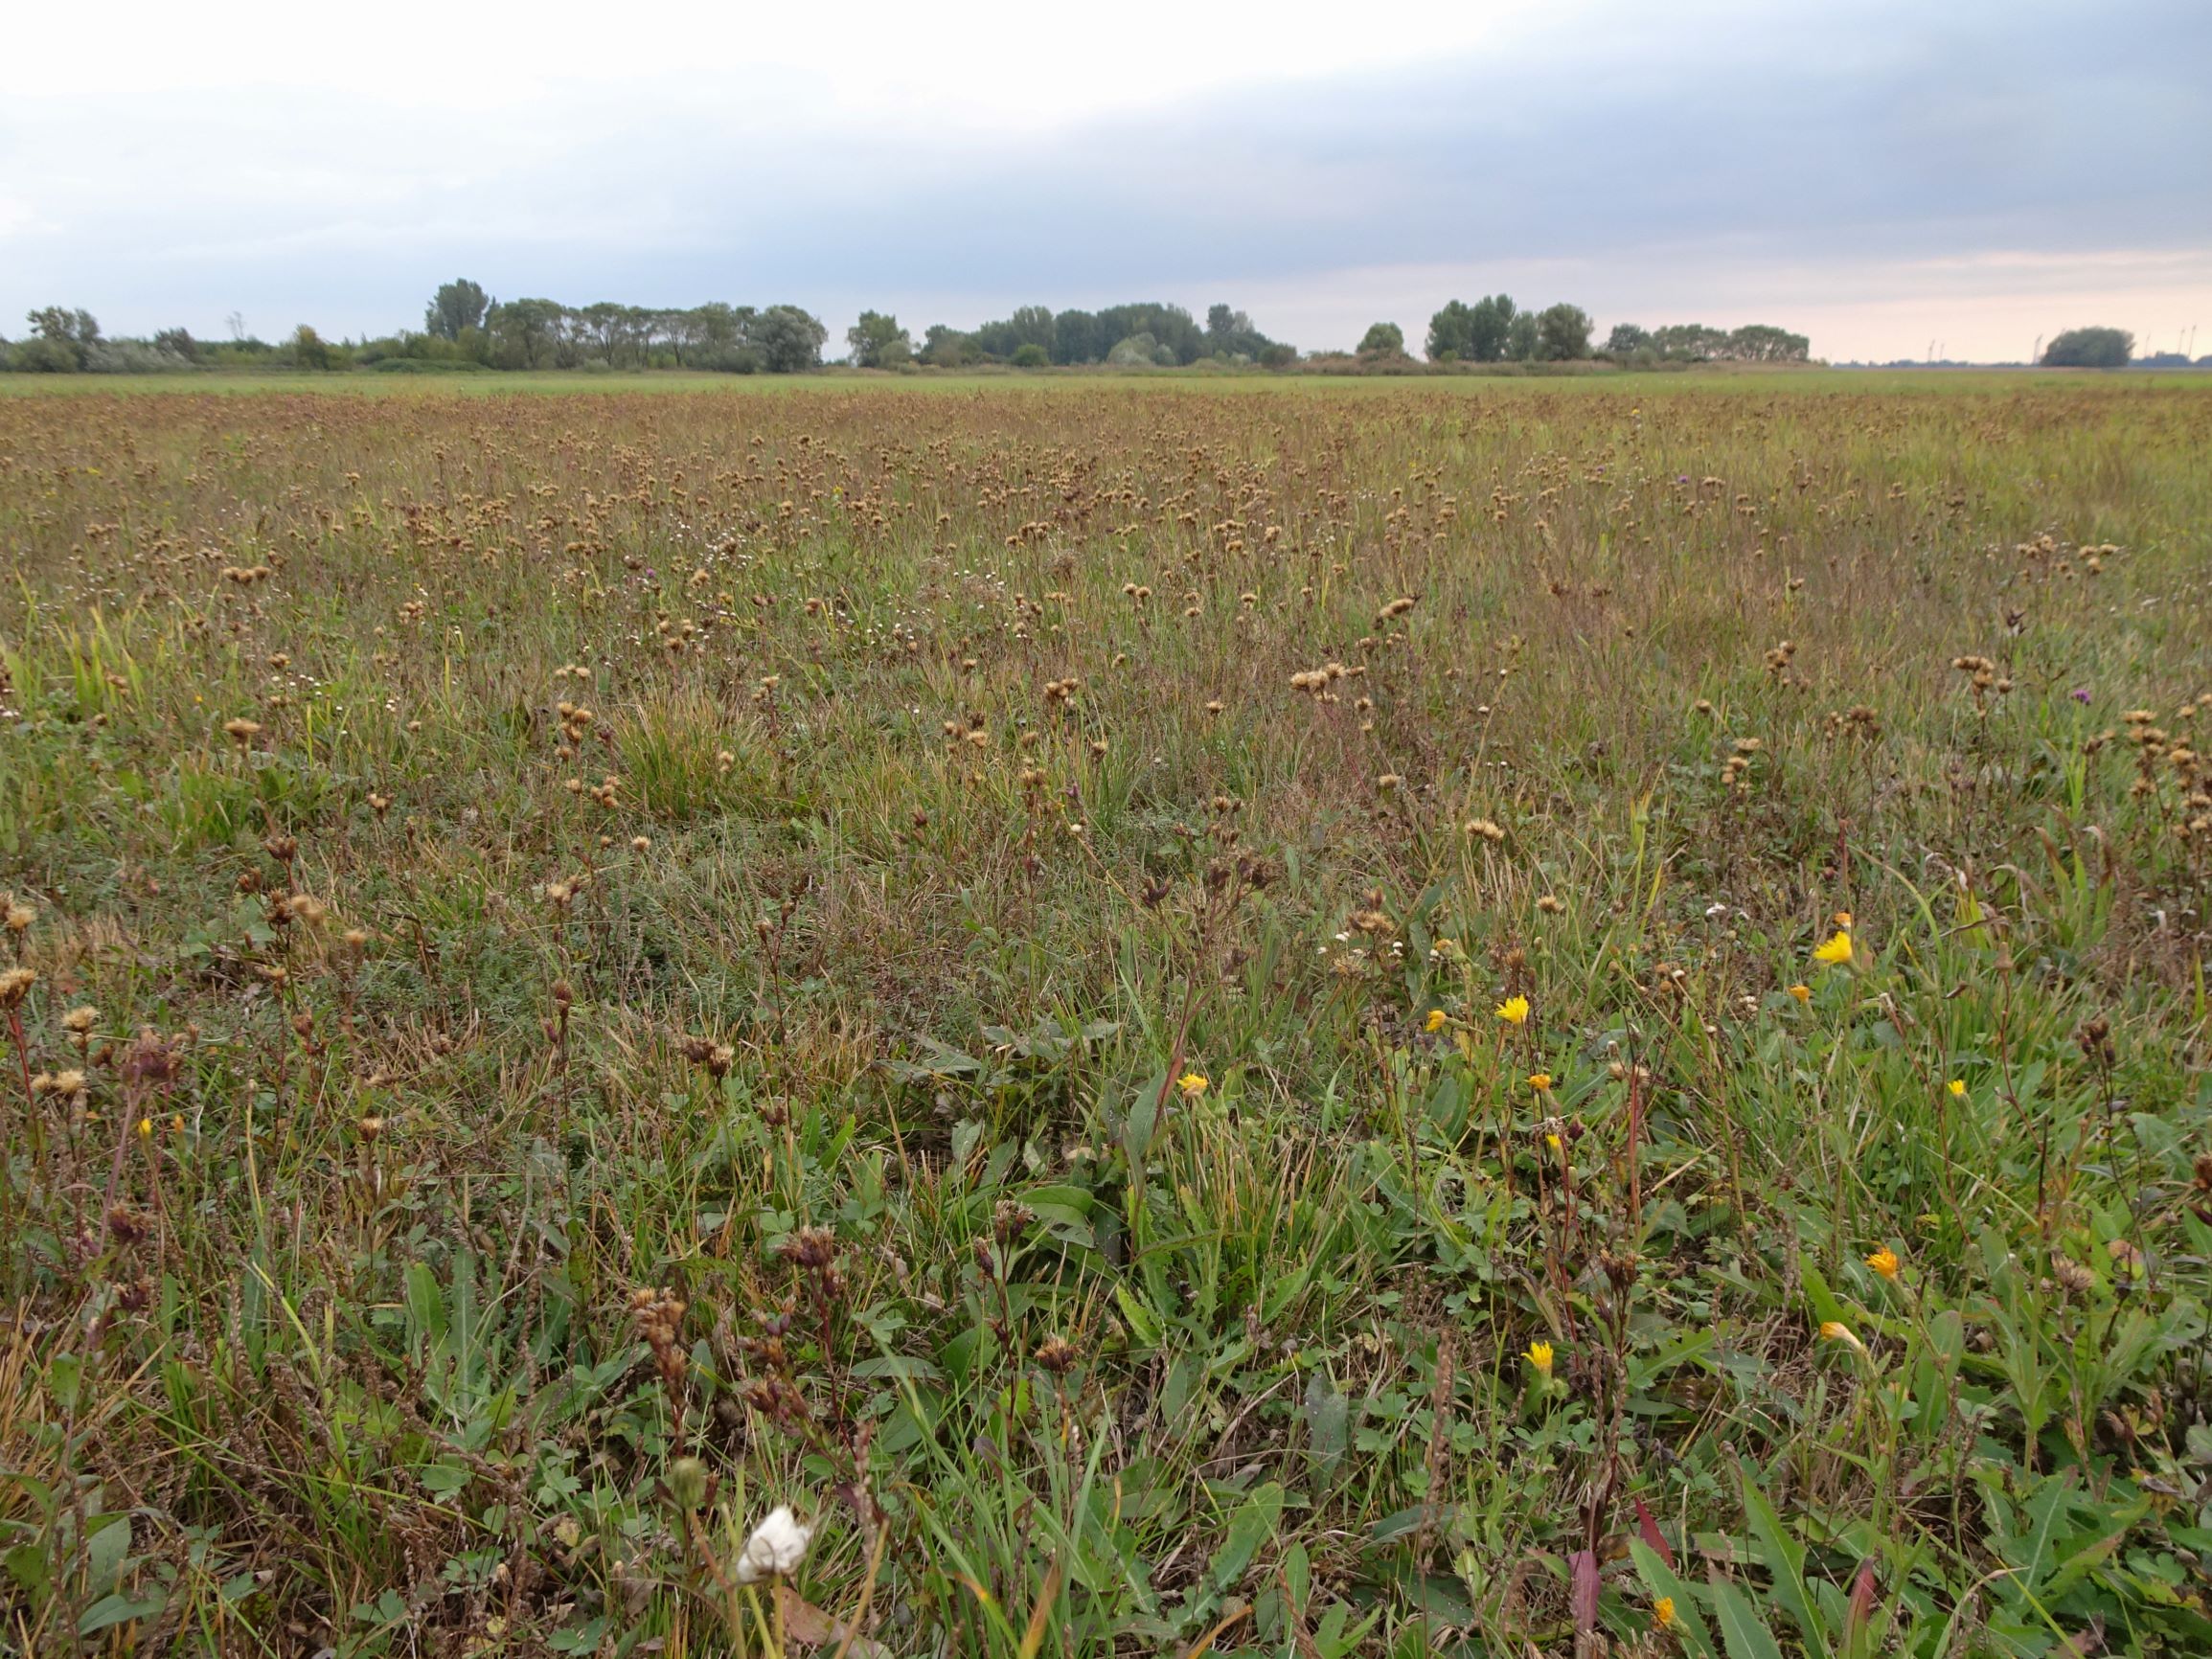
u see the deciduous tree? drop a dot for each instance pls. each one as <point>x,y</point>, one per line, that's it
<point>456,306</point>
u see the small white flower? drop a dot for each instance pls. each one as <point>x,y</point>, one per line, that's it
<point>776,1548</point>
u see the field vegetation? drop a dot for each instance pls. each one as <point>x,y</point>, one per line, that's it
<point>1479,1018</point>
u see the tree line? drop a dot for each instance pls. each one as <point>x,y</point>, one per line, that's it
<point>464,328</point>
<point>1497,329</point>
<point>1145,332</point>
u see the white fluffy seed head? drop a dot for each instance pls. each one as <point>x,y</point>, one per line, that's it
<point>776,1548</point>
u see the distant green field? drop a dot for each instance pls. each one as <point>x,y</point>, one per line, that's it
<point>1280,1018</point>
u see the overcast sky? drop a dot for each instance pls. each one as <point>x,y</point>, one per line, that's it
<point>1882,176</point>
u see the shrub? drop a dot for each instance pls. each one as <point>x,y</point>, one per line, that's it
<point>2090,348</point>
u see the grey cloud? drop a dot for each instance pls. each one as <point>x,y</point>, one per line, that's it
<point>1853,132</point>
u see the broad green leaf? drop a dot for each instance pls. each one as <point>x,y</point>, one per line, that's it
<point>1250,1526</point>
<point>1741,1630</point>
<point>1661,1580</point>
<point>1328,1421</point>
<point>1785,1563</point>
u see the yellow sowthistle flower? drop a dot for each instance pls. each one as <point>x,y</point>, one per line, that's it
<point>1835,1331</point>
<point>1802,992</point>
<point>1540,1355</point>
<point>1884,1261</point>
<point>1193,1084</point>
<point>1837,952</point>
<point>1513,1010</point>
<point>1663,1612</point>
<point>1540,1080</point>
<point>1436,1021</point>
<point>1957,1086</point>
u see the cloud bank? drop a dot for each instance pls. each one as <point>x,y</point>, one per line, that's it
<point>1876,175</point>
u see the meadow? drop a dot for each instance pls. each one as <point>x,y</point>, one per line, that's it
<point>1475,1017</point>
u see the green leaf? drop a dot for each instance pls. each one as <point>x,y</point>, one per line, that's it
<point>1785,1563</point>
<point>27,1566</point>
<point>1328,1421</point>
<point>1138,1126</point>
<point>1661,1580</point>
<point>106,1546</point>
<point>1250,1526</point>
<point>64,1379</point>
<point>1143,1325</point>
<point>900,1367</point>
<point>111,1611</point>
<point>443,1480</point>
<point>425,1302</point>
<point>1741,1630</point>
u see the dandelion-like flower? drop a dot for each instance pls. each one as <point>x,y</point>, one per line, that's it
<point>1513,1010</point>
<point>1663,1612</point>
<point>1835,1331</point>
<point>1957,1086</point>
<point>1540,1081</point>
<point>1436,1021</point>
<point>1884,1261</point>
<point>1193,1084</point>
<point>1539,1356</point>
<point>1802,992</point>
<point>776,1548</point>
<point>1837,952</point>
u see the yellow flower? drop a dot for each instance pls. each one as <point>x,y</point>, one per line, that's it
<point>1193,1084</point>
<point>1540,1355</point>
<point>1663,1611</point>
<point>1552,1142</point>
<point>1957,1085</point>
<point>1802,992</point>
<point>1540,1081</point>
<point>1513,1010</point>
<point>1843,919</point>
<point>1436,1020</point>
<point>146,1129</point>
<point>1884,1261</point>
<point>1835,952</point>
<point>1835,1331</point>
